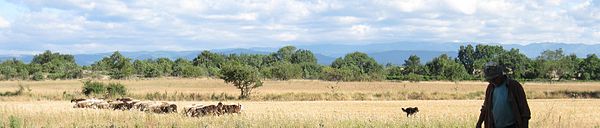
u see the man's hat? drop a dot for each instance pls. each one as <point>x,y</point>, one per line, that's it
<point>492,70</point>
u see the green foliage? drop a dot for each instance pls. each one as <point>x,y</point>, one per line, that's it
<point>37,76</point>
<point>100,89</point>
<point>184,68</point>
<point>413,65</point>
<point>365,67</point>
<point>590,68</point>
<point>14,70</point>
<point>444,68</point>
<point>466,55</point>
<point>14,122</point>
<point>285,53</point>
<point>303,56</point>
<point>553,64</point>
<point>116,89</point>
<point>291,63</point>
<point>242,76</point>
<point>117,65</point>
<point>93,88</point>
<point>286,71</point>
<point>209,59</point>
<point>311,70</point>
<point>58,66</point>
<point>394,72</point>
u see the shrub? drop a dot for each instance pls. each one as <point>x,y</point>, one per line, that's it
<point>114,89</point>
<point>14,122</point>
<point>93,87</point>
<point>37,76</point>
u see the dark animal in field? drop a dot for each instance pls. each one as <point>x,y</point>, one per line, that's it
<point>125,99</point>
<point>410,111</point>
<point>191,110</point>
<point>232,109</point>
<point>120,105</point>
<point>206,110</point>
<point>77,100</point>
<point>169,108</point>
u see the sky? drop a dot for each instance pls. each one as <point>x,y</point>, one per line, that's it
<point>76,27</point>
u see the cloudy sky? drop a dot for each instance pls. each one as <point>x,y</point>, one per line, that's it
<point>74,26</point>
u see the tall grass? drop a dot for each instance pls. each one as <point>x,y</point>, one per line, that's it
<point>434,113</point>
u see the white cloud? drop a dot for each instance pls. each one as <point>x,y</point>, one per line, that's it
<point>464,6</point>
<point>348,19</point>
<point>191,24</point>
<point>241,16</point>
<point>360,29</point>
<point>287,37</point>
<point>4,23</point>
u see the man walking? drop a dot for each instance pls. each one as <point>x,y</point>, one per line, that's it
<point>505,104</point>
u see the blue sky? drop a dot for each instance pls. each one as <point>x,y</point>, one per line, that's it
<point>73,26</point>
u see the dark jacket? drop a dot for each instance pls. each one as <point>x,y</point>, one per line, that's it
<point>517,99</point>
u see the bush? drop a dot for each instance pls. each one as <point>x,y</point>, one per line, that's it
<point>93,87</point>
<point>37,76</point>
<point>14,122</point>
<point>115,89</point>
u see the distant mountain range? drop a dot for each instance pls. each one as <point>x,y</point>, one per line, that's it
<point>394,53</point>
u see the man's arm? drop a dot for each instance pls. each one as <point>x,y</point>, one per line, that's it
<point>523,105</point>
<point>481,117</point>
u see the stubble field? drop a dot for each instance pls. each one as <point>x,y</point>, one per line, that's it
<point>45,105</point>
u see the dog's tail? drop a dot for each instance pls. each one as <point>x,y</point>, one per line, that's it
<point>403,109</point>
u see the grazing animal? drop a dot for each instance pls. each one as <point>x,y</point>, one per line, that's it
<point>159,107</point>
<point>169,108</point>
<point>120,105</point>
<point>191,110</point>
<point>83,104</point>
<point>77,100</point>
<point>232,108</point>
<point>410,111</point>
<point>125,99</point>
<point>210,109</point>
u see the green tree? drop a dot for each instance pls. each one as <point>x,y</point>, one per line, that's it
<point>590,68</point>
<point>311,70</point>
<point>394,72</point>
<point>466,55</point>
<point>517,64</point>
<point>303,56</point>
<point>165,66</point>
<point>286,71</point>
<point>244,77</point>
<point>14,69</point>
<point>117,65</point>
<point>184,68</point>
<point>413,65</point>
<point>553,64</point>
<point>58,66</point>
<point>285,53</point>
<point>444,68</point>
<point>212,61</point>
<point>366,68</point>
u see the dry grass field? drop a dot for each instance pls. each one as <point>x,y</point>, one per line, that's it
<point>568,113</point>
<point>285,104</point>
<point>287,90</point>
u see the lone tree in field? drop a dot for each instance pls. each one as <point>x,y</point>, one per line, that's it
<point>243,77</point>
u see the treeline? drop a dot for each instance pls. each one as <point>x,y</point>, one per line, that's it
<point>292,63</point>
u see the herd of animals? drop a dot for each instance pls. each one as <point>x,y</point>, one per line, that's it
<point>195,110</point>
